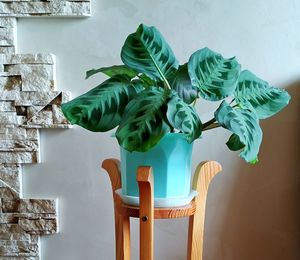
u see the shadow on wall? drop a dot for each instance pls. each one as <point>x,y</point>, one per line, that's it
<point>262,221</point>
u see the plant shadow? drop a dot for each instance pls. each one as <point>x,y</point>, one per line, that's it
<point>262,218</point>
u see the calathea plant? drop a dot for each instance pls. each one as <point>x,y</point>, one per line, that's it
<point>151,95</point>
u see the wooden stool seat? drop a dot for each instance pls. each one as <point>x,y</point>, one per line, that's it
<point>147,213</point>
<point>159,213</point>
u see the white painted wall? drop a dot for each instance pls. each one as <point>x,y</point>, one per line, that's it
<point>252,211</point>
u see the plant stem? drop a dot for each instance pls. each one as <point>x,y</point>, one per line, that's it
<point>211,126</point>
<point>194,102</point>
<point>166,84</point>
<point>211,121</point>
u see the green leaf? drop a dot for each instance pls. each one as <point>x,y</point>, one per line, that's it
<point>101,108</point>
<point>234,143</point>
<point>243,123</point>
<point>142,125</point>
<point>265,100</point>
<point>147,52</point>
<point>147,82</point>
<point>183,86</point>
<point>113,71</point>
<point>184,118</point>
<point>214,76</point>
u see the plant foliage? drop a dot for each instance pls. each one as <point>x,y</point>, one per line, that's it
<point>151,94</point>
<point>245,126</point>
<point>265,100</point>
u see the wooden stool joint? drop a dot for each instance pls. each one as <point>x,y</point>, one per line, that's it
<point>147,213</point>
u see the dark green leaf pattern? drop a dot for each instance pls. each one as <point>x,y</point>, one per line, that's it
<point>265,100</point>
<point>101,108</point>
<point>245,124</point>
<point>113,71</point>
<point>214,76</point>
<point>142,125</point>
<point>183,117</point>
<point>147,52</point>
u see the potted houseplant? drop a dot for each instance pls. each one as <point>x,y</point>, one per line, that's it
<point>151,99</point>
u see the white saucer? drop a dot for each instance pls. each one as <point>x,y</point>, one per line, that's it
<point>159,202</point>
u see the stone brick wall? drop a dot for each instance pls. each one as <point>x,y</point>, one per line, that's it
<point>29,101</point>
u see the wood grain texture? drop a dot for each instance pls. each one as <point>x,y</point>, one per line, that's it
<point>145,182</point>
<point>202,178</point>
<point>122,222</point>
<point>159,213</point>
<point>147,213</point>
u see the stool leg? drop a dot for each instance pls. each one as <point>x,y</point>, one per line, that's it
<point>145,182</point>
<point>122,234</point>
<point>202,177</point>
<point>122,223</point>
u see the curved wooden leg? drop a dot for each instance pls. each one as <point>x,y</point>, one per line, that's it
<point>145,182</point>
<point>203,175</point>
<point>122,235</point>
<point>122,223</point>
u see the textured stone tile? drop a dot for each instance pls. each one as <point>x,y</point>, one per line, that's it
<point>7,50</point>
<point>9,205</point>
<point>8,193</point>
<point>11,118</point>
<point>35,77</point>
<point>34,110</point>
<point>10,82</point>
<point>12,180</point>
<point>37,206</point>
<point>13,218</point>
<point>66,96</point>
<point>15,248</point>
<point>32,134</point>
<point>32,98</point>
<point>11,228</point>
<point>8,21</point>
<point>21,258</point>
<point>39,58</point>
<point>14,236</point>
<point>58,116</point>
<point>16,133</point>
<point>68,8</point>
<point>39,226</point>
<point>43,118</point>
<point>10,96</point>
<point>18,145</point>
<point>11,175</point>
<point>19,157</point>
<point>14,233</point>
<point>7,106</point>
<point>26,93</point>
<point>7,36</point>
<point>51,8</point>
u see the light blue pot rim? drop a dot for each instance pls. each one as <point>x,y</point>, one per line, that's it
<point>168,135</point>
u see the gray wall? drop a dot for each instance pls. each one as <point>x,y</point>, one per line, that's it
<point>252,211</point>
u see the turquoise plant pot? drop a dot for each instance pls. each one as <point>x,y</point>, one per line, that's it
<point>171,163</point>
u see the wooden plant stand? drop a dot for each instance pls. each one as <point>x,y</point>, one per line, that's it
<point>147,213</point>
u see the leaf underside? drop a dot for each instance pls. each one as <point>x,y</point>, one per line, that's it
<point>183,86</point>
<point>234,143</point>
<point>101,108</point>
<point>265,100</point>
<point>142,125</point>
<point>245,125</point>
<point>214,76</point>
